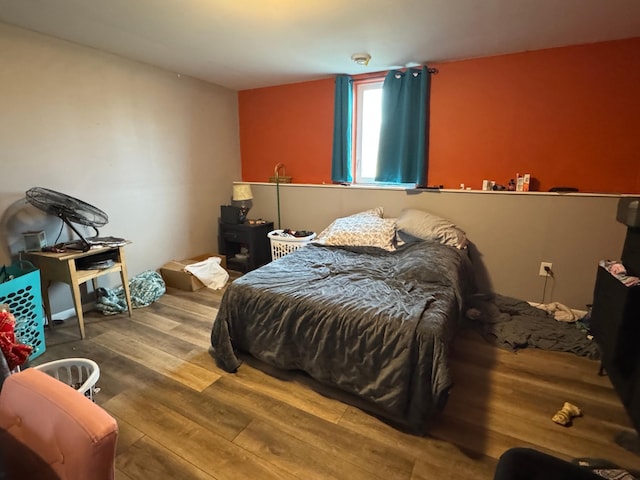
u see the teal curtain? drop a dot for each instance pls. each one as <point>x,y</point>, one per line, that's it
<point>404,131</point>
<point>341,169</point>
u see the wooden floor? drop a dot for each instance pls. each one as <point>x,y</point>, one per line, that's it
<point>181,417</point>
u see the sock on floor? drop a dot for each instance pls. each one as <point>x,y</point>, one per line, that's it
<point>566,413</point>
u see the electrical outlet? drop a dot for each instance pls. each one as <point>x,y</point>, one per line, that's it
<point>543,272</point>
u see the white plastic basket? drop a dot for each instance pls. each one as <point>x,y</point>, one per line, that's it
<point>79,373</point>
<point>282,245</point>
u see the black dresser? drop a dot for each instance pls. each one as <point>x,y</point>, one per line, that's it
<point>615,316</point>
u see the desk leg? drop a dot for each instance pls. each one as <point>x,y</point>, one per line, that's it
<point>75,293</point>
<point>77,301</point>
<point>125,280</point>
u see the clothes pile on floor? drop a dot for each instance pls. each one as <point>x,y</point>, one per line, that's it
<point>515,324</point>
<point>145,289</point>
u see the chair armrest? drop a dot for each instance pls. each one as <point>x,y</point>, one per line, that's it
<point>68,431</point>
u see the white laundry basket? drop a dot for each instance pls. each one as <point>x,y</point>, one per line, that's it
<point>281,245</point>
<point>79,373</point>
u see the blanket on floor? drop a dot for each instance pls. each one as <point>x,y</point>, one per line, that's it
<point>514,324</point>
<point>145,289</point>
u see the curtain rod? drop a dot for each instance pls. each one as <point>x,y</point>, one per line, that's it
<point>376,75</point>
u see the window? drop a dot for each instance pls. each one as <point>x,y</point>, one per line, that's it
<point>365,148</point>
<point>367,113</point>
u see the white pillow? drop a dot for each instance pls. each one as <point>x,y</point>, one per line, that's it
<point>377,212</point>
<point>428,226</point>
<point>365,229</point>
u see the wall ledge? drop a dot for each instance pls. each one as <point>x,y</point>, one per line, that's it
<point>413,191</point>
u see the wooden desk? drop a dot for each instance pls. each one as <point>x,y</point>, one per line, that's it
<point>62,267</point>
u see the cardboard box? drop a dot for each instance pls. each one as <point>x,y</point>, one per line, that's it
<point>174,275</point>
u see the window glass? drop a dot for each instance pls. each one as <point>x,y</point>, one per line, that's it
<point>368,108</point>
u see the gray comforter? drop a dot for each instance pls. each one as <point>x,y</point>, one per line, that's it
<point>373,323</point>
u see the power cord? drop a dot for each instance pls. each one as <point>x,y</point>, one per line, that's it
<point>546,277</point>
<point>55,242</point>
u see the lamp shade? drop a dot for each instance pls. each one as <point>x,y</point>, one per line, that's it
<point>242,192</point>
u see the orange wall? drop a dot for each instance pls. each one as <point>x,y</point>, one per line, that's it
<point>289,124</point>
<point>568,116</point>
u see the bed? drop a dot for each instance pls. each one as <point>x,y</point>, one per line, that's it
<point>373,320</point>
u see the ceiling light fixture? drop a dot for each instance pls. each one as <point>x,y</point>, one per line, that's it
<point>361,58</point>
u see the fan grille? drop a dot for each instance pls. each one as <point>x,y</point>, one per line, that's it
<point>67,207</point>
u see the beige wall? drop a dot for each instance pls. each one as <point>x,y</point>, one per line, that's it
<point>511,232</point>
<point>155,150</point>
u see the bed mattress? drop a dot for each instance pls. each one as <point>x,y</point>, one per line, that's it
<point>373,323</point>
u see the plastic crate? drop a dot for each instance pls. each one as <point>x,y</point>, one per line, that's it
<point>20,289</point>
<point>79,373</point>
<point>282,245</point>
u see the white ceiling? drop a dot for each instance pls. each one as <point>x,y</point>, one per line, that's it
<point>244,44</point>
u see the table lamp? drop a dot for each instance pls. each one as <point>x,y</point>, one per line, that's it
<point>243,195</point>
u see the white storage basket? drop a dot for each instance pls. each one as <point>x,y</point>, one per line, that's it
<point>79,373</point>
<point>282,245</point>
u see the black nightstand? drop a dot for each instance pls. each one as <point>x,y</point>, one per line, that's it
<point>231,238</point>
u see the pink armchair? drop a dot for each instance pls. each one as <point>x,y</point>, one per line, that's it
<point>75,438</point>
